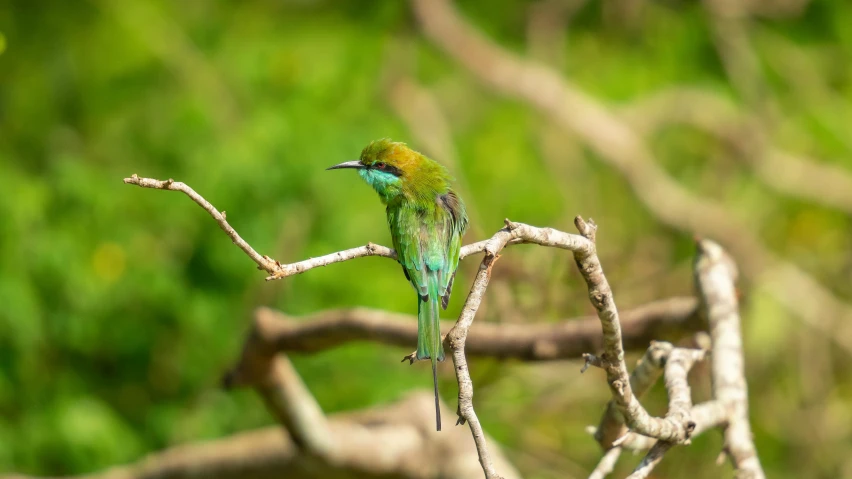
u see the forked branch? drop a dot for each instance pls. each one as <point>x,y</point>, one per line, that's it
<point>290,402</point>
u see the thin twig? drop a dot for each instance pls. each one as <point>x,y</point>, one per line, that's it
<point>262,261</point>
<point>654,456</point>
<point>606,464</point>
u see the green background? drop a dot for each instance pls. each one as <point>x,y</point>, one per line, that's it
<point>120,307</point>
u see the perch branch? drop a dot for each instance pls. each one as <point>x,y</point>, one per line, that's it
<point>271,378</point>
<point>271,266</point>
<point>456,339</point>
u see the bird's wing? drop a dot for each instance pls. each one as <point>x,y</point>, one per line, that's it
<point>429,241</point>
<point>405,224</point>
<point>455,228</point>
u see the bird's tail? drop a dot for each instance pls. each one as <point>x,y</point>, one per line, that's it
<point>429,343</point>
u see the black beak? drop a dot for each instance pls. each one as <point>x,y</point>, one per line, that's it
<point>348,164</point>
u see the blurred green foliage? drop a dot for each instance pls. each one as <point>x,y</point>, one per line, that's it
<point>120,307</point>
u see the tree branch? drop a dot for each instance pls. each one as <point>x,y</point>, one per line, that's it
<point>654,456</point>
<point>394,441</point>
<point>616,144</point>
<point>600,294</point>
<point>715,274</point>
<point>678,364</point>
<point>670,319</point>
<point>644,376</point>
<point>271,266</point>
<point>297,411</point>
<point>263,262</point>
<point>606,464</point>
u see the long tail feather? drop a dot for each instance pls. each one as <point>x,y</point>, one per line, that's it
<point>429,343</point>
<point>437,403</point>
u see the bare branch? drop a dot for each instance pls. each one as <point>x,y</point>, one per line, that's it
<point>457,336</point>
<point>600,294</point>
<point>395,440</point>
<point>678,364</point>
<point>606,464</point>
<point>456,339</point>
<point>647,372</point>
<point>289,400</point>
<point>715,274</point>
<point>706,416</point>
<point>282,390</point>
<point>262,261</point>
<point>654,456</point>
<point>669,319</point>
<point>615,143</point>
<point>276,269</point>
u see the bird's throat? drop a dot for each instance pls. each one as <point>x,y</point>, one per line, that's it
<point>387,185</point>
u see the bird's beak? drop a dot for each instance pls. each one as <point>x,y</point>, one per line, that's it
<point>347,164</point>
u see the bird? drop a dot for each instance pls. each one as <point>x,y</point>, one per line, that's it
<point>427,220</point>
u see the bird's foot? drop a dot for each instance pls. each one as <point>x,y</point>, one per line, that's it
<point>410,358</point>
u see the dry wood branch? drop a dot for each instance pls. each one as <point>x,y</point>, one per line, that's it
<point>582,246</point>
<point>654,456</point>
<point>295,408</point>
<point>706,416</point>
<point>606,464</point>
<point>664,319</point>
<point>456,339</point>
<point>391,441</point>
<point>715,275</point>
<point>615,143</point>
<point>262,261</point>
<point>291,403</point>
<point>644,376</point>
<point>271,266</point>
<point>600,294</point>
<point>678,364</point>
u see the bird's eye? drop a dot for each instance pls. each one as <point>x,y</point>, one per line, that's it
<point>380,165</point>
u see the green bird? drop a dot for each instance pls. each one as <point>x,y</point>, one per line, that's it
<point>427,220</point>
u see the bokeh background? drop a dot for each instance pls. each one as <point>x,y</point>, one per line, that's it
<point>121,307</point>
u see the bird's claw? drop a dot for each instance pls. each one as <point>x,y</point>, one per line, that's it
<point>410,358</point>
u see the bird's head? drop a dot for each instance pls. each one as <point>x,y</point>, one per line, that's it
<point>394,169</point>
